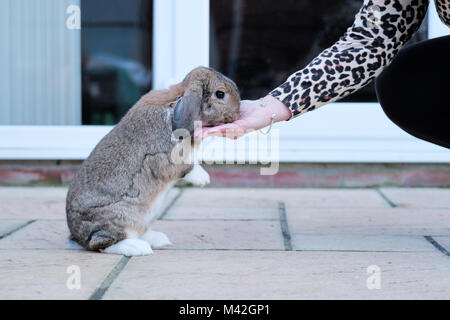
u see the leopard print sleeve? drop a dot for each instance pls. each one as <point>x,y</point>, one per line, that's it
<point>380,29</point>
<point>443,9</point>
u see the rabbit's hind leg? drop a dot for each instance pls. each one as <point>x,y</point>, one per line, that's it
<point>115,241</point>
<point>130,247</point>
<point>156,239</point>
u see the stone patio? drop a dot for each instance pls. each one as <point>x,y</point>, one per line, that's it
<point>232,243</point>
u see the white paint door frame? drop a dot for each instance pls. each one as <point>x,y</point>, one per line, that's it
<point>180,39</point>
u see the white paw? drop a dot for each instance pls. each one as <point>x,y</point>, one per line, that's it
<point>72,245</point>
<point>156,239</point>
<point>130,247</point>
<point>197,176</point>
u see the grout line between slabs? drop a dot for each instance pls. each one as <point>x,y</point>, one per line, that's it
<point>284,227</point>
<point>17,229</point>
<point>106,284</point>
<point>169,206</point>
<point>213,219</point>
<point>389,201</point>
<point>234,250</point>
<point>436,244</point>
<point>293,250</point>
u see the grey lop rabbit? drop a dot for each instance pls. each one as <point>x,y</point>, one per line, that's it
<point>113,196</point>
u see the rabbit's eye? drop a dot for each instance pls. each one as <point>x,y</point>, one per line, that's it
<point>220,94</point>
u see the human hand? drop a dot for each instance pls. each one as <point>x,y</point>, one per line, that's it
<point>254,115</point>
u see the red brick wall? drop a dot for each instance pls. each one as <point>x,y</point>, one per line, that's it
<point>289,175</point>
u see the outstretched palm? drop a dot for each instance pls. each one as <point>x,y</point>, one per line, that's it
<point>252,117</point>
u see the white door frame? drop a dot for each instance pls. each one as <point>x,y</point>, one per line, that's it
<point>339,132</point>
<point>180,39</point>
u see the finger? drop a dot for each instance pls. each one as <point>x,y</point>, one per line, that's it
<point>199,132</point>
<point>229,132</point>
<point>214,132</point>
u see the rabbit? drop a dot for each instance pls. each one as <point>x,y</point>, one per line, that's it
<point>112,197</point>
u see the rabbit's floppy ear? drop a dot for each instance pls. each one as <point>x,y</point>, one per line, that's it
<point>187,109</point>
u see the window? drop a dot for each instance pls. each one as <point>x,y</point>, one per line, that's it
<point>259,43</point>
<point>116,57</point>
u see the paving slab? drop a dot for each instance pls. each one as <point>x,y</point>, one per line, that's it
<point>228,245</point>
<point>7,226</point>
<point>44,202</point>
<point>222,234</point>
<point>361,242</point>
<point>228,198</point>
<point>41,234</point>
<point>334,198</point>
<point>32,193</point>
<point>419,197</point>
<point>33,202</point>
<point>43,274</point>
<point>369,221</point>
<point>53,234</point>
<point>203,213</point>
<point>269,197</point>
<point>252,275</point>
<point>36,209</point>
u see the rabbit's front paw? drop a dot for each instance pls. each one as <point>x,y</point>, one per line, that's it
<point>197,176</point>
<point>156,239</point>
<point>130,247</point>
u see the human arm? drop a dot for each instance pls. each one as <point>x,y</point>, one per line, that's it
<point>380,29</point>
